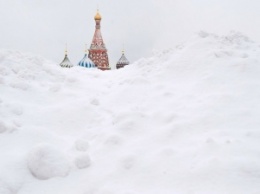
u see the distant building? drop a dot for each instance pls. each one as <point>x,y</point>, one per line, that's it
<point>97,56</point>
<point>122,61</point>
<point>98,51</point>
<point>66,62</point>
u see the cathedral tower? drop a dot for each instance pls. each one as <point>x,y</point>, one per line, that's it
<point>98,51</point>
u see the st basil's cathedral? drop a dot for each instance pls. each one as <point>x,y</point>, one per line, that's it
<point>96,56</point>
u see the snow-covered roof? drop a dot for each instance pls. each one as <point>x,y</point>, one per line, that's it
<point>66,62</point>
<point>86,62</point>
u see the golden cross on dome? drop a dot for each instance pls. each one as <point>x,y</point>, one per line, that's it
<point>123,51</point>
<point>66,49</point>
<point>86,50</point>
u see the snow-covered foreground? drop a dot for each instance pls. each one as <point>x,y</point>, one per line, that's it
<point>185,121</point>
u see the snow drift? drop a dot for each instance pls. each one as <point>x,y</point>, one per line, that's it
<point>183,121</point>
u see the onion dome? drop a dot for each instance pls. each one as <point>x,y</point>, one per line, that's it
<point>86,62</point>
<point>98,16</point>
<point>122,61</point>
<point>66,62</point>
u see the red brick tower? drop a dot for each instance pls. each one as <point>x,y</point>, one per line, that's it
<point>98,51</point>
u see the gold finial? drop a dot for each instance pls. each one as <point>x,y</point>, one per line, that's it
<point>123,50</point>
<point>86,50</point>
<point>66,49</point>
<point>97,16</point>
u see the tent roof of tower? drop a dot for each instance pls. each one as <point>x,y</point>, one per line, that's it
<point>97,41</point>
<point>66,62</point>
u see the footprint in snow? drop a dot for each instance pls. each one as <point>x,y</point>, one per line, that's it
<point>113,140</point>
<point>82,161</point>
<point>128,162</point>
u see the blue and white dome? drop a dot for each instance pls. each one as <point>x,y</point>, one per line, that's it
<point>86,62</point>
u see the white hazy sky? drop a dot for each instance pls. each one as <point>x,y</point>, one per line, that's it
<point>44,26</point>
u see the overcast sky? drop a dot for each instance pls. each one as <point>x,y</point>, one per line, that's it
<point>43,27</point>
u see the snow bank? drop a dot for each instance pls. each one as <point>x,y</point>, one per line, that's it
<point>185,120</point>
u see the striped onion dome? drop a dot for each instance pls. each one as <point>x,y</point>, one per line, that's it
<point>86,62</point>
<point>122,61</point>
<point>66,62</point>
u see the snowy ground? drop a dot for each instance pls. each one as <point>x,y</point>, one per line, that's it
<point>185,121</point>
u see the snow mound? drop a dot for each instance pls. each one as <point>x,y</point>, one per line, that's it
<point>185,120</point>
<point>5,190</point>
<point>45,162</point>
<point>7,127</point>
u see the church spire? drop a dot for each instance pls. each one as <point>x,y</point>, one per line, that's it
<point>86,50</point>
<point>66,50</point>
<point>98,51</point>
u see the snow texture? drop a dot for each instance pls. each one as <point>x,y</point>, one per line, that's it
<point>184,121</point>
<point>3,127</point>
